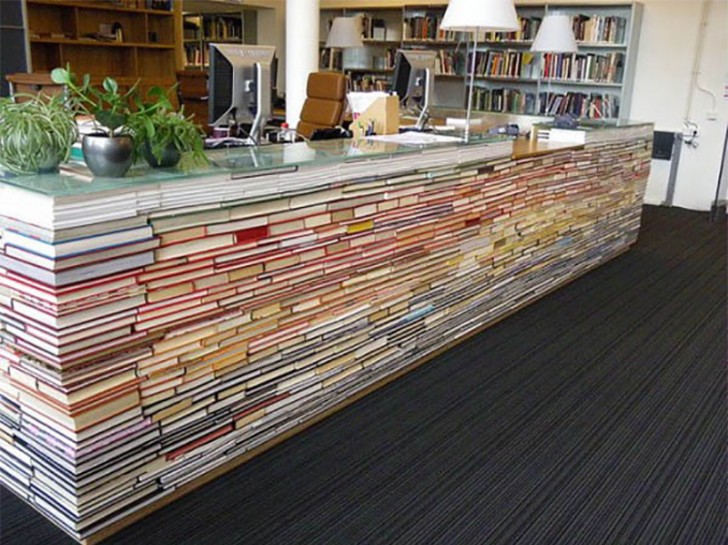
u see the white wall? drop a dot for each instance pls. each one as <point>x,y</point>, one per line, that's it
<point>670,29</point>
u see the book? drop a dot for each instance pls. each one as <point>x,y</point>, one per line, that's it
<point>60,322</point>
<point>86,419</point>
<point>77,246</point>
<point>62,235</point>
<point>94,256</point>
<point>77,274</point>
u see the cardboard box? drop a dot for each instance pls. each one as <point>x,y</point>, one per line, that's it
<point>383,113</point>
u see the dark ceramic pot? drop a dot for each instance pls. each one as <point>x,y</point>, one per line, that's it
<point>107,156</point>
<point>170,156</point>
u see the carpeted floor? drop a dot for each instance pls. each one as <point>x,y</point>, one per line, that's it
<point>595,416</point>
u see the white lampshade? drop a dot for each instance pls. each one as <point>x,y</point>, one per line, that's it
<point>555,35</point>
<point>345,32</point>
<point>474,15</point>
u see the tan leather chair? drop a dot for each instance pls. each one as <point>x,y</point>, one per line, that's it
<point>32,84</point>
<point>324,105</point>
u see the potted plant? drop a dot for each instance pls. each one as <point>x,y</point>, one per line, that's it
<point>110,150</point>
<point>36,135</point>
<point>163,136</point>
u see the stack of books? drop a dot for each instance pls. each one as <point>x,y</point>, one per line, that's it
<point>157,331</point>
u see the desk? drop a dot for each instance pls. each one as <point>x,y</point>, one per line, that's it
<point>260,294</point>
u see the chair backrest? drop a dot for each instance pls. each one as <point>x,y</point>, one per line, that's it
<point>324,105</point>
<point>33,84</point>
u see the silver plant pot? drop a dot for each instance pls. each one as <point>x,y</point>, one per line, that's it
<point>107,156</point>
<point>170,156</point>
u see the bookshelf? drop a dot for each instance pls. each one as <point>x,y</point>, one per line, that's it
<point>594,82</point>
<point>202,29</point>
<point>384,31</point>
<point>83,34</point>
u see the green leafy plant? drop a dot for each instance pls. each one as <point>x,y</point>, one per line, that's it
<point>110,107</point>
<point>152,122</point>
<point>35,134</point>
<point>156,124</point>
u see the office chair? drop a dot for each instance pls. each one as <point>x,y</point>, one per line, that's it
<point>32,83</point>
<point>324,105</point>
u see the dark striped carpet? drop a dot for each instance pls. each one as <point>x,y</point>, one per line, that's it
<point>595,416</point>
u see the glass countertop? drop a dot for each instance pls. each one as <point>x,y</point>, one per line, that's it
<point>598,124</point>
<point>76,179</point>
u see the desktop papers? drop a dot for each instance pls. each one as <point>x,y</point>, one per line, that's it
<point>414,138</point>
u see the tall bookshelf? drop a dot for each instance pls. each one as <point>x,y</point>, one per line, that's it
<point>202,29</point>
<point>594,82</point>
<point>384,31</point>
<point>81,33</point>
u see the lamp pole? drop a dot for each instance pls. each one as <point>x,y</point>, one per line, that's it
<point>472,83</point>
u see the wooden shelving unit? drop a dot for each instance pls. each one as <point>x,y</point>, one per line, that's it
<point>80,33</point>
<point>202,29</point>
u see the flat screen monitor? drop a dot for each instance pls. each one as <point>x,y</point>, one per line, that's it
<point>414,81</point>
<point>241,79</point>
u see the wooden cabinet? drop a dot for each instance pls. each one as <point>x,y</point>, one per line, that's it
<point>124,39</point>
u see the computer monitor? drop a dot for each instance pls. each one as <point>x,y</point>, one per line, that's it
<point>414,81</point>
<point>240,81</point>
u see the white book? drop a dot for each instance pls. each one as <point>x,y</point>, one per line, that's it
<point>567,135</point>
<point>77,274</point>
<point>78,245</point>
<point>96,256</point>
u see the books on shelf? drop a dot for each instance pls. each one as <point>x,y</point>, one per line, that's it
<point>600,28</point>
<point>222,27</point>
<point>504,100</point>
<point>448,62</point>
<point>590,105</point>
<point>385,59</point>
<point>584,67</point>
<point>330,59</point>
<point>191,30</point>
<point>370,82</point>
<point>517,101</point>
<point>427,27</point>
<point>508,63</point>
<point>529,28</point>
<point>196,55</point>
<point>378,30</point>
